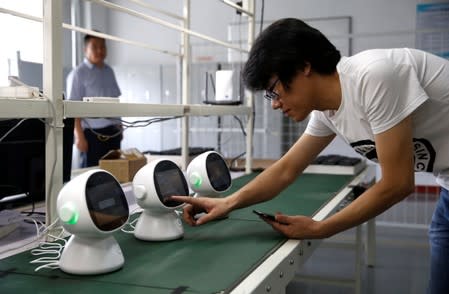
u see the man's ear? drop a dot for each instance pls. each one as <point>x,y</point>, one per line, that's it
<point>307,69</point>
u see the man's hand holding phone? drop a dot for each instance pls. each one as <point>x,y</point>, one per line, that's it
<point>265,216</point>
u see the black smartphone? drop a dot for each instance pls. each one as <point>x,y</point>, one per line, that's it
<point>265,215</point>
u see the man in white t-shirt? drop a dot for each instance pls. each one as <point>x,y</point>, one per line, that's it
<point>390,105</point>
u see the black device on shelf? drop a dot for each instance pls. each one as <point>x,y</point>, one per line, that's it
<point>22,168</point>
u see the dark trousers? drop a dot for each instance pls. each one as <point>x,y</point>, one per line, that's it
<point>439,246</point>
<point>98,147</point>
<point>67,147</point>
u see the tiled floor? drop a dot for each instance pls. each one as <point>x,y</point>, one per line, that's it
<point>402,264</point>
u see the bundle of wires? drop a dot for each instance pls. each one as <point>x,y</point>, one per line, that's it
<point>131,124</point>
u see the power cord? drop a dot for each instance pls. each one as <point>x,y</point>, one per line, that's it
<point>130,224</point>
<point>54,126</point>
<point>13,128</point>
<point>46,248</point>
<point>126,124</point>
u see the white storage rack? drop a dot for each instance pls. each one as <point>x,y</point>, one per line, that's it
<point>55,109</point>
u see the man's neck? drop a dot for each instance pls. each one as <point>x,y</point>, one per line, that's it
<point>329,91</point>
<point>98,64</point>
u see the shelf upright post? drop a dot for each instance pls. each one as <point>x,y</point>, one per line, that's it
<point>250,95</point>
<point>185,83</point>
<point>52,86</point>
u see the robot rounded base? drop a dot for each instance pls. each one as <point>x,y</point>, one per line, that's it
<point>159,226</point>
<point>91,255</point>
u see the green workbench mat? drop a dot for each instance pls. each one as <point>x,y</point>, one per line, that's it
<point>14,283</point>
<point>210,258</point>
<point>305,196</point>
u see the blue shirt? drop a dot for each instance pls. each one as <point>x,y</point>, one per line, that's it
<point>89,80</point>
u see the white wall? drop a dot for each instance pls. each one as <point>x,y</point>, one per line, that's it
<point>136,29</point>
<point>212,17</point>
<point>368,17</point>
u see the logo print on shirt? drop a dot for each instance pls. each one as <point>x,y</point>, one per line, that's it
<point>424,153</point>
<point>366,148</point>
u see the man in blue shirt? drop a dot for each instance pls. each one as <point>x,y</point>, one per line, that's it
<point>94,137</point>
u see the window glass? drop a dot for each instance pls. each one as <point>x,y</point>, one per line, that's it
<point>19,35</point>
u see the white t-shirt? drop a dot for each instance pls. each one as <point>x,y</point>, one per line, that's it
<point>380,88</point>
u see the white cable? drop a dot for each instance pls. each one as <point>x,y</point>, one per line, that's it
<point>36,223</point>
<point>50,265</point>
<point>131,224</point>
<point>53,125</point>
<point>13,128</point>
<point>54,248</point>
<point>39,235</point>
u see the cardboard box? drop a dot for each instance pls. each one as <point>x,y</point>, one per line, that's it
<point>123,164</point>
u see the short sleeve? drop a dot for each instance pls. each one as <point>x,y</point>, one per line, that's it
<point>116,87</point>
<point>317,127</point>
<point>390,92</point>
<point>109,87</point>
<point>76,90</point>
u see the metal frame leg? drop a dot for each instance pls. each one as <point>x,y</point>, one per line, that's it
<point>371,242</point>
<point>358,260</point>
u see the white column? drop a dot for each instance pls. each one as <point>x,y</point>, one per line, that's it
<point>52,83</point>
<point>371,242</point>
<point>250,97</point>
<point>185,83</point>
<point>75,38</point>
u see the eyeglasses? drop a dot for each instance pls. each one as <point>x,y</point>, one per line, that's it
<point>270,94</point>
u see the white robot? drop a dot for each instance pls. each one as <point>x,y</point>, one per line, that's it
<point>208,174</point>
<point>152,184</point>
<point>91,207</point>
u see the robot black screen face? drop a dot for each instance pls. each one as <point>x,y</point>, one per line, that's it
<point>169,180</point>
<point>218,172</point>
<point>106,201</point>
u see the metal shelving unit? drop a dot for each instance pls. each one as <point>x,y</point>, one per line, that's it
<point>52,87</point>
<point>24,108</point>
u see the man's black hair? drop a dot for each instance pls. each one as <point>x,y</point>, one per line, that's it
<point>283,49</point>
<point>87,38</point>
